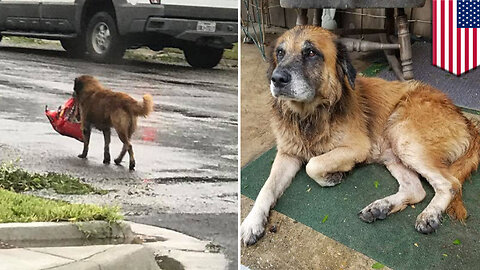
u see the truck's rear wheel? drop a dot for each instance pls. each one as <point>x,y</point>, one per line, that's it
<point>75,47</point>
<point>203,57</point>
<point>103,41</point>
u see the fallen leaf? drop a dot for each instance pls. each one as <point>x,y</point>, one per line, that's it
<point>445,255</point>
<point>377,265</point>
<point>457,242</point>
<point>415,244</point>
<point>413,206</point>
<point>308,190</point>
<point>375,184</point>
<point>325,219</point>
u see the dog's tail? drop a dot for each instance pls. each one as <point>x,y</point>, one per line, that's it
<point>144,108</point>
<point>462,168</point>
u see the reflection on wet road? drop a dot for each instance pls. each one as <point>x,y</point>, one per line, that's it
<point>186,150</point>
<point>192,130</point>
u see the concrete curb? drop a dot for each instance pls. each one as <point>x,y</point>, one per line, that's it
<point>173,248</point>
<point>38,231</point>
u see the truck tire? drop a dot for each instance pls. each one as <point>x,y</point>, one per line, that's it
<point>75,47</point>
<point>203,57</point>
<point>103,41</point>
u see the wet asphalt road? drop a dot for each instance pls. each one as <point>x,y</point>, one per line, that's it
<point>186,150</point>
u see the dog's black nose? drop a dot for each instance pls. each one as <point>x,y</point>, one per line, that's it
<point>280,78</point>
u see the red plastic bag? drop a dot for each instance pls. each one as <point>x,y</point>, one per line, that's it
<point>65,121</point>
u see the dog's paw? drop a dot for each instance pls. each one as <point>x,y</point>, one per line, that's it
<point>131,166</point>
<point>117,161</point>
<point>335,178</point>
<point>379,209</point>
<point>428,221</point>
<point>82,156</point>
<point>106,158</point>
<point>252,229</point>
<point>330,180</point>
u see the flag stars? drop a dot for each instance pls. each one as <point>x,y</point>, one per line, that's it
<point>468,15</point>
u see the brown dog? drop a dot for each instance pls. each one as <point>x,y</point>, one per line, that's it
<point>328,118</point>
<point>103,109</point>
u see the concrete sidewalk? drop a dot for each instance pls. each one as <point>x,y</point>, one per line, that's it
<point>158,248</point>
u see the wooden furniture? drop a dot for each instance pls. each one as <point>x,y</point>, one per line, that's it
<point>394,36</point>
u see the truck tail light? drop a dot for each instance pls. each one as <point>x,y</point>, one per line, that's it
<point>155,2</point>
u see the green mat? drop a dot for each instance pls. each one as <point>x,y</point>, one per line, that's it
<point>393,241</point>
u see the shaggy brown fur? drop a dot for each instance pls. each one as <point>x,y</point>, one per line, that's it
<point>104,109</point>
<point>410,127</point>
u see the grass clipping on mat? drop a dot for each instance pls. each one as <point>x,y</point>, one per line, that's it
<point>16,207</point>
<point>18,180</point>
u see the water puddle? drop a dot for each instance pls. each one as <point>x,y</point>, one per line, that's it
<point>165,262</point>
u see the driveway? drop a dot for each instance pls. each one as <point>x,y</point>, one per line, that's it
<point>186,150</point>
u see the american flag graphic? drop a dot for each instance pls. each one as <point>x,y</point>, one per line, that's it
<point>455,35</point>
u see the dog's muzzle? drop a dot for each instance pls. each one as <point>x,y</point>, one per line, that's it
<point>279,82</point>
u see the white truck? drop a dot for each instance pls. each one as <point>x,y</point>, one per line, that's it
<point>104,29</point>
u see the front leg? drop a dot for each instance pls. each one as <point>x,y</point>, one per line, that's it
<point>327,169</point>
<point>283,171</point>
<point>106,148</point>
<point>86,130</point>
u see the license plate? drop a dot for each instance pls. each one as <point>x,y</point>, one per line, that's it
<point>206,26</point>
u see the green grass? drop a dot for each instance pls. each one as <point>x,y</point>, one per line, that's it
<point>375,68</point>
<point>16,207</point>
<point>164,56</point>
<point>170,55</point>
<point>231,53</point>
<point>15,39</point>
<point>227,53</point>
<point>16,179</point>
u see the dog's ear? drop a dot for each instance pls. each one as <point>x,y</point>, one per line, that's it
<point>344,66</point>
<point>78,86</point>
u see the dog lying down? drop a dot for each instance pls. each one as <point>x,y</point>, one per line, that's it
<point>103,109</point>
<point>326,117</point>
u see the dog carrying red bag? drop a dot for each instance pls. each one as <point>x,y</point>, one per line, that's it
<point>64,120</point>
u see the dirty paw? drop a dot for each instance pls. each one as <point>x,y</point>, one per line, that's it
<point>330,179</point>
<point>428,222</point>
<point>335,178</point>
<point>377,210</point>
<point>252,229</point>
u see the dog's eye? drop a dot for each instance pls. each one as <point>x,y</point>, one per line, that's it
<point>311,53</point>
<point>280,54</point>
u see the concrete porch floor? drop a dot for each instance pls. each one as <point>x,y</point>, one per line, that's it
<point>294,245</point>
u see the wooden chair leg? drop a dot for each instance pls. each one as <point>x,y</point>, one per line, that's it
<point>317,17</point>
<point>302,18</point>
<point>405,45</point>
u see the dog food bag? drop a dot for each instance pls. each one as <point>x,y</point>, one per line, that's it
<point>65,120</point>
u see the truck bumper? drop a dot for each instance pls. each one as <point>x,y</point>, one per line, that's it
<point>226,32</point>
<point>131,19</point>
